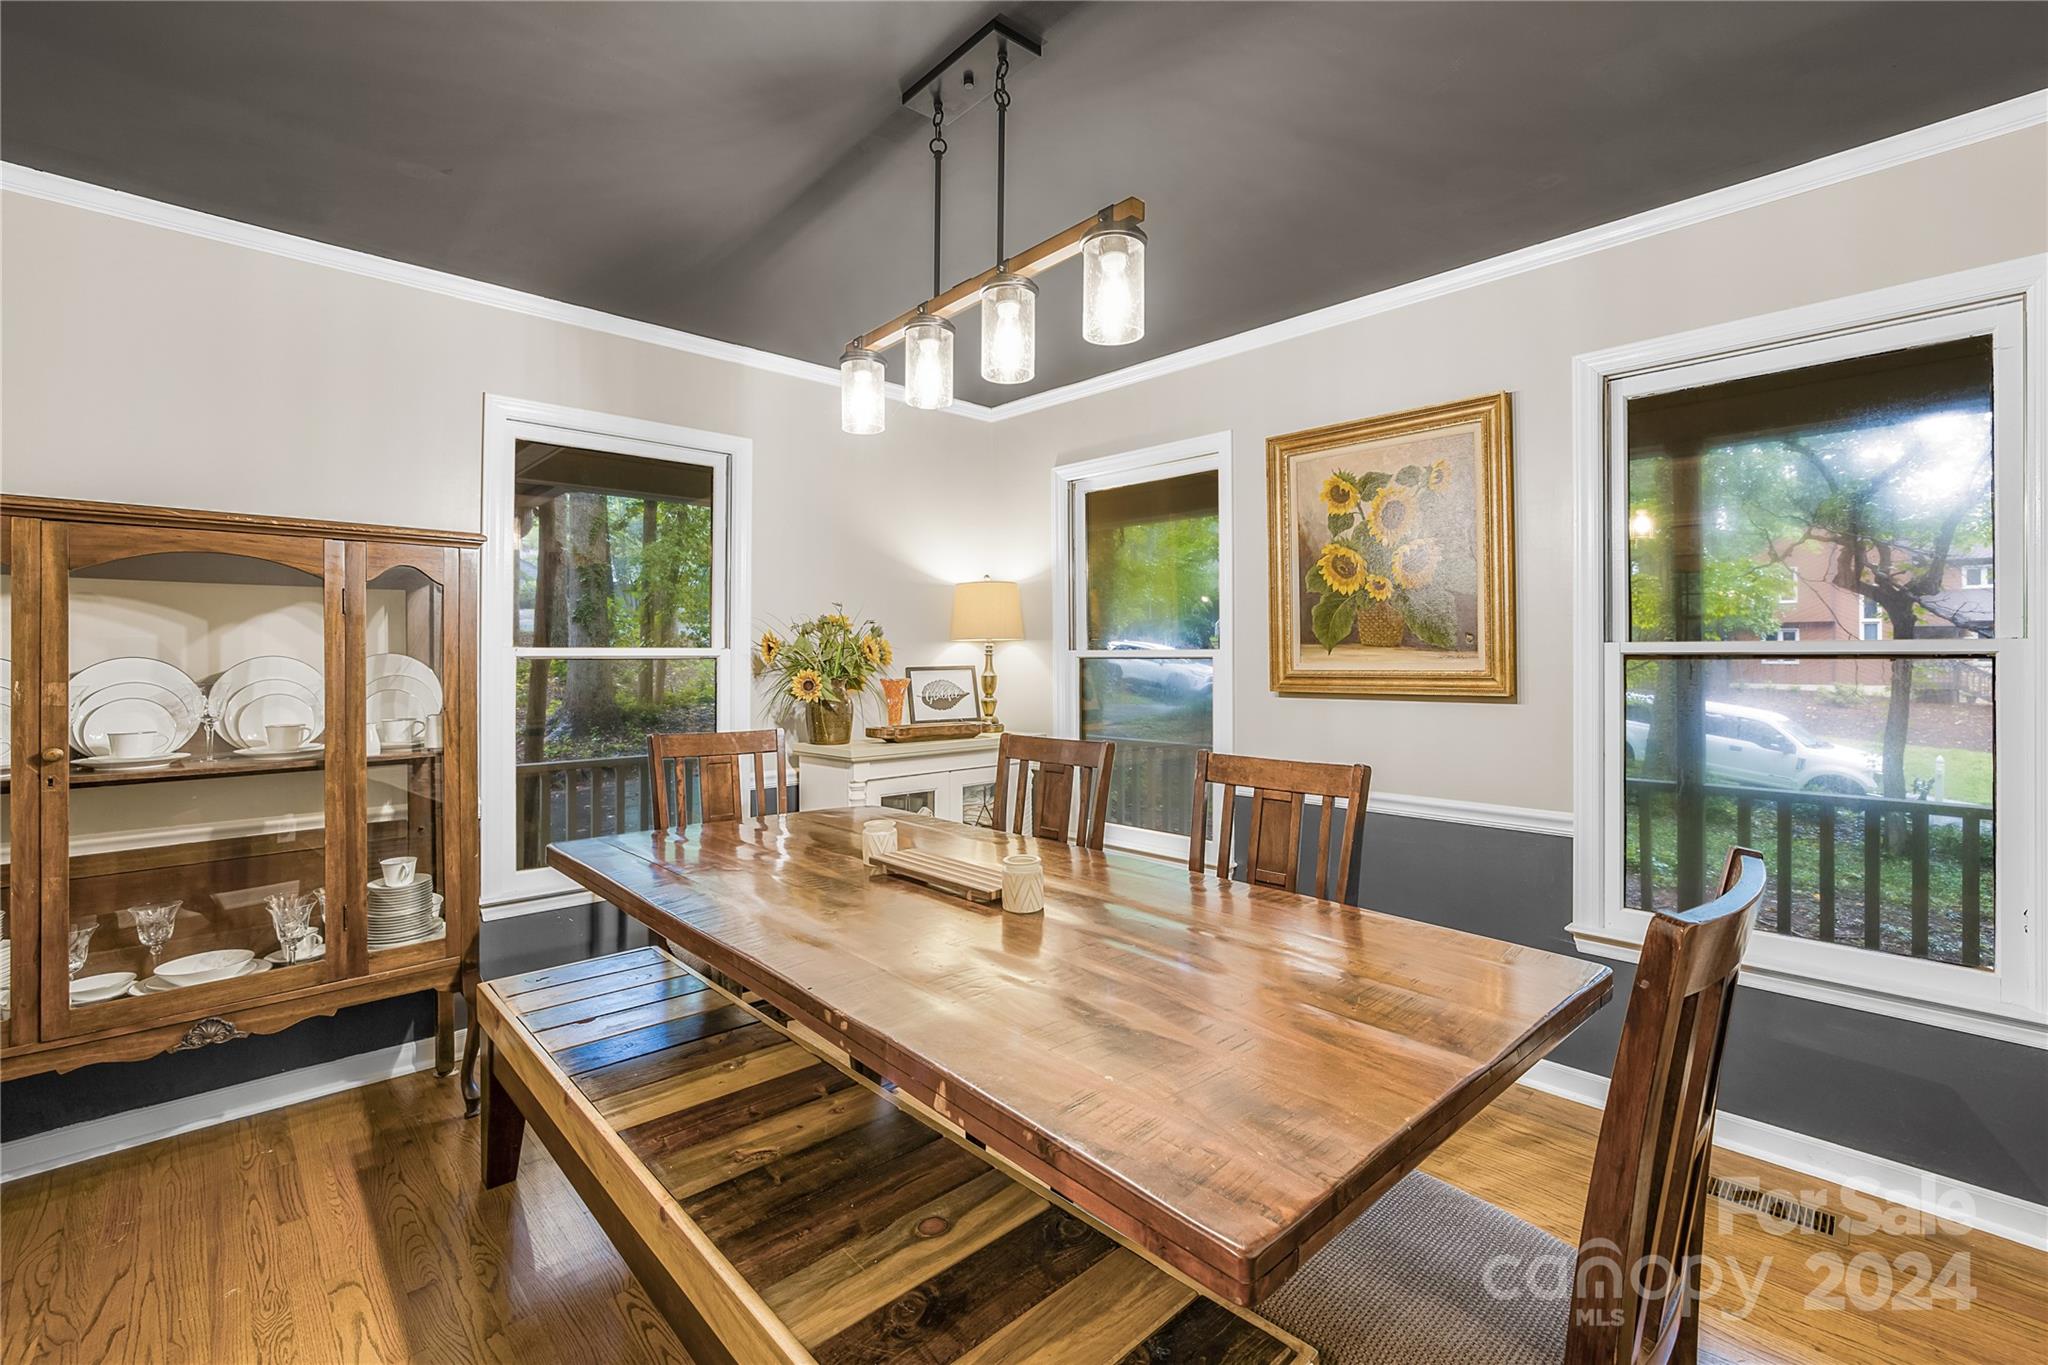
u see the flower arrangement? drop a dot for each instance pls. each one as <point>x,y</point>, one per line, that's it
<point>1400,550</point>
<point>822,664</point>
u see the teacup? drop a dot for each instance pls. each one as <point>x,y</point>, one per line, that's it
<point>136,743</point>
<point>286,738</point>
<point>401,732</point>
<point>399,871</point>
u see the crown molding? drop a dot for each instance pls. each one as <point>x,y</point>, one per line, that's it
<point>2013,115</point>
<point>26,180</point>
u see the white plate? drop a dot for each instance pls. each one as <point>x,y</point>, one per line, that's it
<point>262,751</point>
<point>302,679</point>
<point>134,669</point>
<point>386,671</point>
<point>426,937</point>
<point>157,984</point>
<point>144,714</point>
<point>85,703</point>
<point>266,702</point>
<point>216,965</point>
<point>90,990</point>
<point>109,764</point>
<point>310,951</point>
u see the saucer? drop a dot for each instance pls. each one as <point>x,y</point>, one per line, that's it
<point>265,751</point>
<point>108,763</point>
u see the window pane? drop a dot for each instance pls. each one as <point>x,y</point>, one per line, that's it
<point>1868,479</point>
<point>1159,712</point>
<point>1152,565</point>
<point>1867,784</point>
<point>614,550</point>
<point>581,728</point>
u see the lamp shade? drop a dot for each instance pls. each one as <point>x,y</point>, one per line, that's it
<point>990,609</point>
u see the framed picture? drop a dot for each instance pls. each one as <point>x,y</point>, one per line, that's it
<point>942,693</point>
<point>1393,555</point>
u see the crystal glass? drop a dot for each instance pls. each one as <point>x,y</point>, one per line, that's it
<point>154,923</point>
<point>1113,284</point>
<point>292,917</point>
<point>80,946</point>
<point>928,363</point>
<point>861,396</point>
<point>1009,330</point>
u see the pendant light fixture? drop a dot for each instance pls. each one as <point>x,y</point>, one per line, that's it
<point>862,399</point>
<point>1110,242</point>
<point>1009,302</point>
<point>1113,284</point>
<point>928,340</point>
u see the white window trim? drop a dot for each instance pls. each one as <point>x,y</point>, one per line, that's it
<point>2011,1002</point>
<point>1192,456</point>
<point>508,421</point>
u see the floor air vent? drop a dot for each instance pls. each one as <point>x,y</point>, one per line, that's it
<point>1774,1206</point>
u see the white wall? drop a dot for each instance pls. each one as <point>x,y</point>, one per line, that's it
<point>145,365</point>
<point>1973,206</point>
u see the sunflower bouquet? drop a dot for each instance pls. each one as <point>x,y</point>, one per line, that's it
<point>1400,552</point>
<point>821,665</point>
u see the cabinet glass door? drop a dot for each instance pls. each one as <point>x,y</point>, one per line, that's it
<point>194,870</point>
<point>17,715</point>
<point>403,885</point>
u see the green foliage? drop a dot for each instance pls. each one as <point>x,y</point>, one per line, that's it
<point>1155,581</point>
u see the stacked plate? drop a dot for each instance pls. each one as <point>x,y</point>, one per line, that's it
<point>403,914</point>
<point>399,687</point>
<point>270,689</point>
<point>134,694</point>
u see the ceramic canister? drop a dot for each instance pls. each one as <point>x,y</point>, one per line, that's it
<point>1023,884</point>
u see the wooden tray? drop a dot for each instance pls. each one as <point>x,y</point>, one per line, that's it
<point>975,881</point>
<point>931,729</point>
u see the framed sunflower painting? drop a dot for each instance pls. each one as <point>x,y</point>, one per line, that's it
<point>1393,555</point>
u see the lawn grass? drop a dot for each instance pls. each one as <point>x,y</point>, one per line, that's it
<point>1968,772</point>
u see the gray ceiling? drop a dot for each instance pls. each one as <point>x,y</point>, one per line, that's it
<point>743,171</point>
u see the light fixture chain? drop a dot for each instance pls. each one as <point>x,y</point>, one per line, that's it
<point>1002,143</point>
<point>938,146</point>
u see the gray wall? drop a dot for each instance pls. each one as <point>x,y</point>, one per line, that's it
<point>1965,1107</point>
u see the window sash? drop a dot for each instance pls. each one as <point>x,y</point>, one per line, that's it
<point>2006,301</point>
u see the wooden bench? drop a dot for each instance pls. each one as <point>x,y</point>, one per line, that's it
<point>778,1205</point>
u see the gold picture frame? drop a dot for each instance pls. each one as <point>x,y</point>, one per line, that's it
<point>1392,555</point>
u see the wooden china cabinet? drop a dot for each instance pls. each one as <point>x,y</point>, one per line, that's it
<point>246,620</point>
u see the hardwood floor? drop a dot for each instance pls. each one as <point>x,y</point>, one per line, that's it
<point>351,1228</point>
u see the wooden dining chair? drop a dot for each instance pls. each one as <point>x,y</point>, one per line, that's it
<point>1279,790</point>
<point>716,757</point>
<point>1062,765</point>
<point>1420,1277</point>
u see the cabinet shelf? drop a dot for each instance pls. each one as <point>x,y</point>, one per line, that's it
<point>232,765</point>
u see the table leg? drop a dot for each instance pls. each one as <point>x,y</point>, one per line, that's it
<point>504,1126</point>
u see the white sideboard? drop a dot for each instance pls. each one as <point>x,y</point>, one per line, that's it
<point>953,779</point>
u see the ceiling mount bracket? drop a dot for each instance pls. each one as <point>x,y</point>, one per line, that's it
<point>965,77</point>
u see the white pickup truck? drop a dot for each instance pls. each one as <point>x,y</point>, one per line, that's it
<point>1748,747</point>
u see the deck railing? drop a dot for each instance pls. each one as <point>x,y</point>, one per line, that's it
<point>1152,786</point>
<point>575,798</point>
<point>1884,827</point>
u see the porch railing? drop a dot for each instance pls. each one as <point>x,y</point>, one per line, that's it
<point>576,798</point>
<point>1152,786</point>
<point>1884,827</point>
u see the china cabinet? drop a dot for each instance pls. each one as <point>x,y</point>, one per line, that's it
<point>238,777</point>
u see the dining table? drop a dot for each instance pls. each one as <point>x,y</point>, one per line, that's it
<point>1225,1074</point>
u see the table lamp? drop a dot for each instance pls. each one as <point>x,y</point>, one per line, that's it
<point>988,611</point>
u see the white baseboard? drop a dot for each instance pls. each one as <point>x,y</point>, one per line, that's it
<point>117,1132</point>
<point>1952,1201</point>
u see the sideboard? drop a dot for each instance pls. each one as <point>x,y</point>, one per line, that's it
<point>954,779</point>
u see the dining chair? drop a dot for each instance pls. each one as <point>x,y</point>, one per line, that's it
<point>717,758</point>
<point>1430,1273</point>
<point>1062,765</point>
<point>1279,789</point>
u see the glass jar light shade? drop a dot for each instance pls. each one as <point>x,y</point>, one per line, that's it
<point>1009,330</point>
<point>1113,284</point>
<point>928,363</point>
<point>862,400</point>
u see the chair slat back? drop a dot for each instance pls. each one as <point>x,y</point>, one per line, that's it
<point>1047,807</point>
<point>1279,789</point>
<point>1638,1273</point>
<point>717,757</point>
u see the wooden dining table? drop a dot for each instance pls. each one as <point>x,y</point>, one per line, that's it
<point>1225,1074</point>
